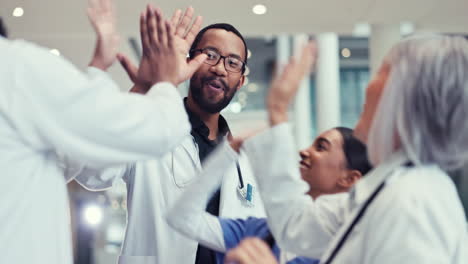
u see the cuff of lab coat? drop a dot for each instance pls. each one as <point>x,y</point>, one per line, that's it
<point>93,72</point>
<point>165,89</point>
<point>101,76</point>
<point>264,140</point>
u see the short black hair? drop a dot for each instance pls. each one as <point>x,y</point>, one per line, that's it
<point>3,31</point>
<point>355,151</point>
<point>225,26</point>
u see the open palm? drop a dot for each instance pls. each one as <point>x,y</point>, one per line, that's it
<point>184,35</point>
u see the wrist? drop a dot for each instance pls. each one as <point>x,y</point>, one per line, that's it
<point>141,89</point>
<point>277,116</point>
<point>98,63</point>
<point>162,79</point>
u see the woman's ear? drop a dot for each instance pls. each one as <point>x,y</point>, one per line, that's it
<point>349,179</point>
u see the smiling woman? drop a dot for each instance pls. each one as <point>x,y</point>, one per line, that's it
<point>334,162</point>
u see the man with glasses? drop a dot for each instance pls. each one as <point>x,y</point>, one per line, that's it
<point>153,186</point>
<point>212,87</point>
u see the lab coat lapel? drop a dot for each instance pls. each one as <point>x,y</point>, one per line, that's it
<point>359,194</point>
<point>191,148</point>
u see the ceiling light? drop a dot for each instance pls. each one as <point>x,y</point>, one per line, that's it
<point>346,53</point>
<point>18,12</point>
<point>406,28</point>
<point>259,9</point>
<point>362,30</point>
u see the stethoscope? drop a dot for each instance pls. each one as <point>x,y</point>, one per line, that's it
<point>246,192</point>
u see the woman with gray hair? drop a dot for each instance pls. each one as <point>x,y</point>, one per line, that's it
<point>407,209</point>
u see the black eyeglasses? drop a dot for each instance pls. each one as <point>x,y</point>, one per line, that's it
<point>231,63</point>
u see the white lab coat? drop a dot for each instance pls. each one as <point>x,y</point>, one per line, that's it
<point>203,226</point>
<point>153,187</point>
<point>417,218</point>
<point>48,106</point>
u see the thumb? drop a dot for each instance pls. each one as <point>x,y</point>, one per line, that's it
<point>129,67</point>
<point>195,63</point>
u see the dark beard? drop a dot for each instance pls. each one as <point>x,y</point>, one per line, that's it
<point>207,106</point>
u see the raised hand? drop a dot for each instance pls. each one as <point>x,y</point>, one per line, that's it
<point>102,16</point>
<point>184,35</point>
<point>166,62</point>
<point>251,251</point>
<point>285,85</point>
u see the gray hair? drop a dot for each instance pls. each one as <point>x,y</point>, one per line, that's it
<point>424,105</point>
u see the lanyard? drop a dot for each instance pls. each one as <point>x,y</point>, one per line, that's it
<point>358,218</point>
<point>239,174</point>
<point>354,223</point>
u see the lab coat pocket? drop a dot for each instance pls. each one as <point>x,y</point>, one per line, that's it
<point>185,163</point>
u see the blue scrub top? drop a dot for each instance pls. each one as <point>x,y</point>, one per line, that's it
<point>235,230</point>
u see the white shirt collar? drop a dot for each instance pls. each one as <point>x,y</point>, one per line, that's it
<point>364,188</point>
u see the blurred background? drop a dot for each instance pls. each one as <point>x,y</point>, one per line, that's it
<point>352,36</point>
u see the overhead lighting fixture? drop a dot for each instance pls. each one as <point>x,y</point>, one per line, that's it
<point>362,30</point>
<point>259,9</point>
<point>346,53</point>
<point>18,12</point>
<point>55,52</point>
<point>93,215</point>
<point>407,28</point>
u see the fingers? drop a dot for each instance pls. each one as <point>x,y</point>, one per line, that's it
<point>176,17</point>
<point>93,4</point>
<point>237,256</point>
<point>308,56</point>
<point>157,27</point>
<point>161,27</point>
<point>151,25</point>
<point>184,23</point>
<point>194,29</point>
<point>92,11</point>
<point>91,15</point>
<point>260,249</point>
<point>170,33</point>
<point>129,67</point>
<point>145,42</point>
<point>251,251</point>
<point>195,63</point>
<point>106,5</point>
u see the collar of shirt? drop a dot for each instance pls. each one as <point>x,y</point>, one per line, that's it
<point>365,187</point>
<point>199,126</point>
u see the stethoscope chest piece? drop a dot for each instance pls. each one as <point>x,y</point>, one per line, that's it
<point>246,194</point>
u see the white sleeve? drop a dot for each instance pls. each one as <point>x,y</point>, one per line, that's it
<point>100,179</point>
<point>90,178</point>
<point>188,215</point>
<point>86,116</point>
<point>298,224</point>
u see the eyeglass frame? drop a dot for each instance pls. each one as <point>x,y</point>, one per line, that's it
<point>244,64</point>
